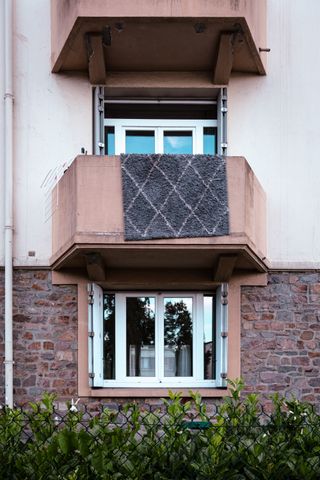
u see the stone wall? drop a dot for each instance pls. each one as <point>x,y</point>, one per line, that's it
<point>280,337</point>
<point>45,336</point>
<point>280,342</point>
<point>1,335</point>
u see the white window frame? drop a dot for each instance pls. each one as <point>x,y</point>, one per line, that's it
<point>158,126</point>
<point>124,381</point>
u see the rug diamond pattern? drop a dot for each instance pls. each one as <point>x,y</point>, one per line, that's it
<point>172,196</point>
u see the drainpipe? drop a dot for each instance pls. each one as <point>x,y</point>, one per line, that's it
<point>8,199</point>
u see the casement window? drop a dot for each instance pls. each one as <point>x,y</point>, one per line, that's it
<point>152,339</point>
<point>160,126</point>
<point>149,136</point>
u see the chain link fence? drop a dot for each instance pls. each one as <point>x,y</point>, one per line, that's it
<point>179,440</point>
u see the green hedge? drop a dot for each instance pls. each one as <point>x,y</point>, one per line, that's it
<point>179,441</point>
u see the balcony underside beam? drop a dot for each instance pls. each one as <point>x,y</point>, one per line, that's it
<point>96,59</point>
<point>224,268</point>
<point>224,62</point>
<point>95,267</point>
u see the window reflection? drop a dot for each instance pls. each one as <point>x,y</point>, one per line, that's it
<point>209,338</point>
<point>209,140</point>
<point>140,141</point>
<point>177,142</point>
<point>140,314</point>
<point>110,146</point>
<point>178,337</point>
<point>109,336</point>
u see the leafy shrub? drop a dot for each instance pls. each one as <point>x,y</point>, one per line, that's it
<point>180,440</point>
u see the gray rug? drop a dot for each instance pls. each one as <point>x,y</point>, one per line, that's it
<point>173,196</point>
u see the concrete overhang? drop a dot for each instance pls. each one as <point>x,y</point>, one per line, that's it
<point>105,37</point>
<point>88,230</point>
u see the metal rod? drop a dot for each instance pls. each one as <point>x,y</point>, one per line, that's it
<point>8,199</point>
<point>163,101</point>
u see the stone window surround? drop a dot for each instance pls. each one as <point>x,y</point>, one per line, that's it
<point>234,320</point>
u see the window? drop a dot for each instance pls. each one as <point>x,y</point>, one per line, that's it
<point>190,126</point>
<point>148,136</point>
<point>150,339</point>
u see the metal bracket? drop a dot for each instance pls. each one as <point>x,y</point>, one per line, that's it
<point>91,334</point>
<point>224,334</point>
<point>223,375</point>
<point>90,294</point>
<point>91,375</point>
<point>224,294</point>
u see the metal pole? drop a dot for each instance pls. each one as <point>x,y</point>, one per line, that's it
<point>8,199</point>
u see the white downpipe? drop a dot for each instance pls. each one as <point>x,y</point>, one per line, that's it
<point>8,198</point>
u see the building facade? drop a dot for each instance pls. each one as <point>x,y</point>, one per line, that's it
<point>195,256</point>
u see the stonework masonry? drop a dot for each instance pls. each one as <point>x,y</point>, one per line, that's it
<point>280,337</point>
<point>45,336</point>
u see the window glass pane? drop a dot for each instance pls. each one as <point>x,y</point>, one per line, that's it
<point>109,132</point>
<point>209,140</point>
<point>140,141</point>
<point>140,314</point>
<point>109,336</point>
<point>177,337</point>
<point>177,141</point>
<point>209,338</point>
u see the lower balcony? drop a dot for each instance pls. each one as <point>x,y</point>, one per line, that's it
<point>88,232</point>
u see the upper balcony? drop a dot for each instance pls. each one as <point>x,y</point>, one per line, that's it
<point>108,38</point>
<point>88,231</point>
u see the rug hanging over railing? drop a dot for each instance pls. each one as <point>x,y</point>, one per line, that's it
<point>174,196</point>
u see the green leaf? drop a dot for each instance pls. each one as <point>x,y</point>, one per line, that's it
<point>67,441</point>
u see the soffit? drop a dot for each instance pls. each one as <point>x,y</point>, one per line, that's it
<point>153,44</point>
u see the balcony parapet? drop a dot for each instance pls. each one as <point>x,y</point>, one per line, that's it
<point>88,224</point>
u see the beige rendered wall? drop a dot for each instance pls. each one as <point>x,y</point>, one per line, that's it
<point>273,122</point>
<point>52,121</point>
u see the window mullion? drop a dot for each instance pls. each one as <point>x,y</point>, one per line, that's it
<point>198,328</point>
<point>197,140</point>
<point>121,336</point>
<point>119,146</point>
<point>159,139</point>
